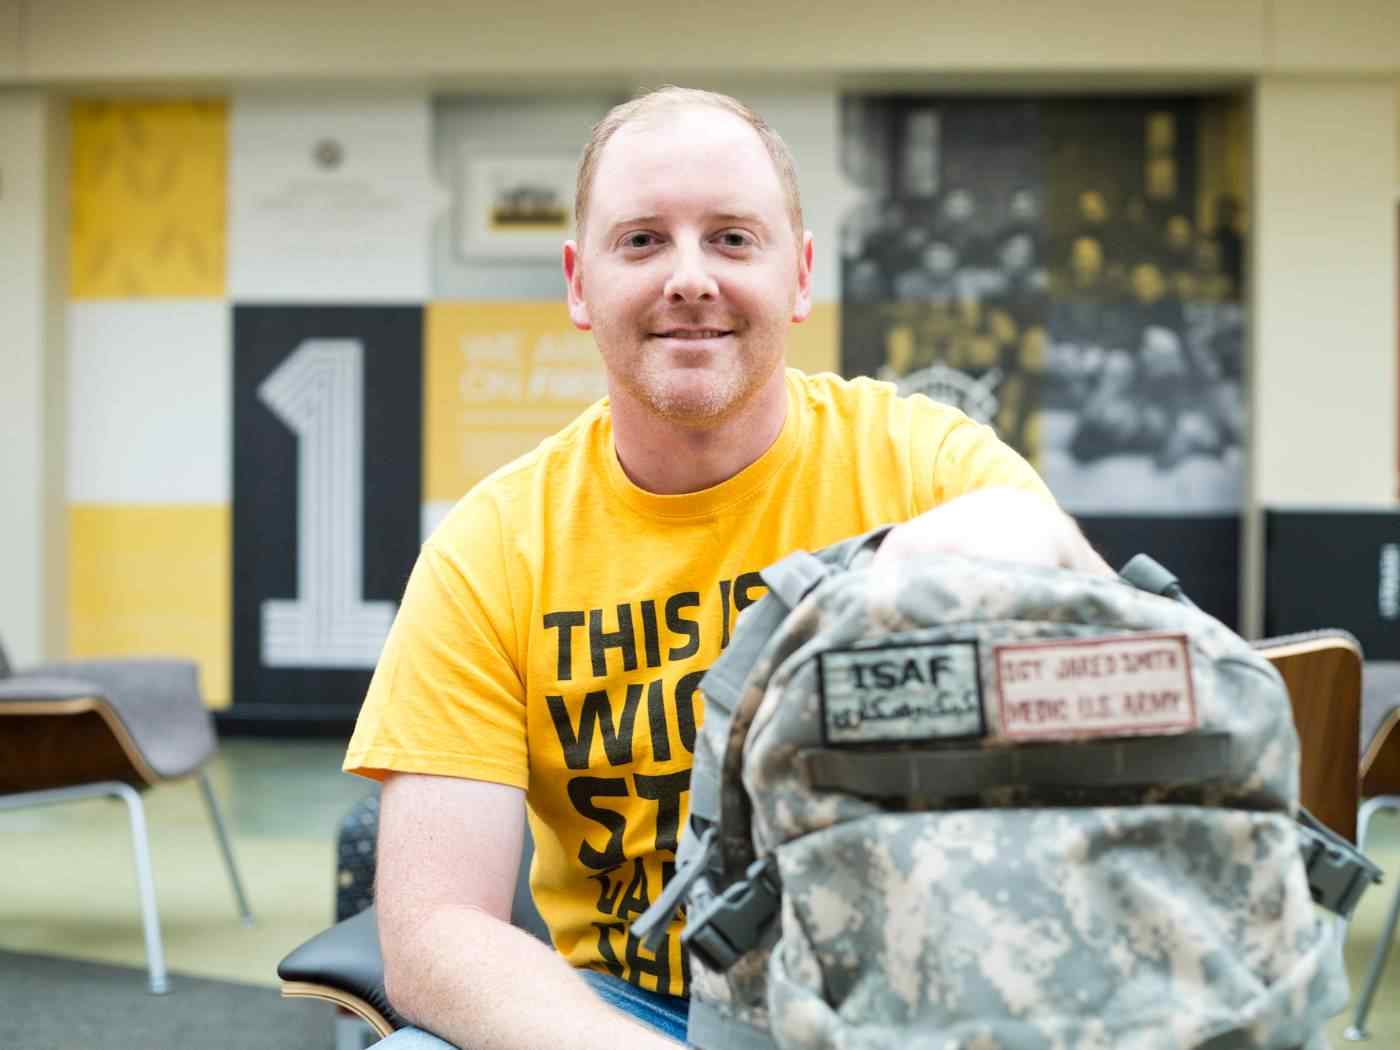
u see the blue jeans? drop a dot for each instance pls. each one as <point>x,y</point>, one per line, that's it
<point>667,1014</point>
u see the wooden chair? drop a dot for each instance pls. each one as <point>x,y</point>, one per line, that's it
<point>110,728</point>
<point>1322,670</point>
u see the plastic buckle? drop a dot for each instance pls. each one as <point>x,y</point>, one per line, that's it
<point>731,923</point>
<point>1338,873</point>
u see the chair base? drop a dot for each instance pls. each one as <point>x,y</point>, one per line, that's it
<point>1356,1031</point>
<point>158,982</point>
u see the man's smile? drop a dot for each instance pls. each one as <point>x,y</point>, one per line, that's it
<point>692,333</point>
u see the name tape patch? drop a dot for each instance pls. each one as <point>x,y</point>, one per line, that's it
<point>1126,686</point>
<point>901,693</point>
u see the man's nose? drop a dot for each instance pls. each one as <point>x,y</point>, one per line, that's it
<point>690,280</point>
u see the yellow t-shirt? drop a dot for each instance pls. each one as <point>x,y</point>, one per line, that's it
<point>556,624</point>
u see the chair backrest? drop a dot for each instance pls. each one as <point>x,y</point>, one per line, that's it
<point>1380,731</point>
<point>1322,670</point>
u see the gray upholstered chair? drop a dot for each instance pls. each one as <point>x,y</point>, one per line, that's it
<point>1380,787</point>
<point>113,728</point>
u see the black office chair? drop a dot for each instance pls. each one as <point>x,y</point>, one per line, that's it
<point>343,965</point>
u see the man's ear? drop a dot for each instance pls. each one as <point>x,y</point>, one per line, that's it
<point>573,278</point>
<point>802,302</point>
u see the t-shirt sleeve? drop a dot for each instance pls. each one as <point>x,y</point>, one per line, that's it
<point>967,455</point>
<point>447,696</point>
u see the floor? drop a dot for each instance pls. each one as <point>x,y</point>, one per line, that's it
<point>67,887</point>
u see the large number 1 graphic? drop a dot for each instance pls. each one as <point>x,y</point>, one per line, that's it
<point>318,392</point>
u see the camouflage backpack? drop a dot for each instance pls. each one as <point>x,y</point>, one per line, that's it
<point>993,807</point>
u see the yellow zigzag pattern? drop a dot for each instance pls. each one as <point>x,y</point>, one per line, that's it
<point>148,205</point>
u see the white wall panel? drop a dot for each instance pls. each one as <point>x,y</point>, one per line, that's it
<point>330,198</point>
<point>149,409</point>
<point>467,128</point>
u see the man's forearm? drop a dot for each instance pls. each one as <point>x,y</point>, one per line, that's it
<point>482,984</point>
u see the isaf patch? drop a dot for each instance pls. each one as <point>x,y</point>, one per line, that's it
<point>901,693</point>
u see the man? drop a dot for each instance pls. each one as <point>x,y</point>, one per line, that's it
<point>554,629</point>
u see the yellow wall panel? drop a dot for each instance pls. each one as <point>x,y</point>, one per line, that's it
<point>148,199</point>
<point>815,344</point>
<point>148,580</point>
<point>500,378</point>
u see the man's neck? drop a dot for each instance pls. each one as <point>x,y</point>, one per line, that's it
<point>669,458</point>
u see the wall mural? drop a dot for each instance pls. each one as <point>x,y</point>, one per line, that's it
<point>310,323</point>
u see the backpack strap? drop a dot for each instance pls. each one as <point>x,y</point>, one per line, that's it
<point>789,581</point>
<point>1338,872</point>
<point>953,771</point>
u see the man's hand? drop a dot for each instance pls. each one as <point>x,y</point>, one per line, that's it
<point>999,524</point>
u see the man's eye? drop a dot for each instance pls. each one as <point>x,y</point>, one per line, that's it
<point>638,240</point>
<point>735,239</point>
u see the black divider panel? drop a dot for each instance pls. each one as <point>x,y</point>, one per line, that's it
<point>1335,568</point>
<point>1203,552</point>
<point>327,470</point>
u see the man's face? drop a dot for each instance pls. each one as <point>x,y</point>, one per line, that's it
<point>688,272</point>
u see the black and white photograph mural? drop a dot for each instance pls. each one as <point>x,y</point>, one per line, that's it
<point>944,284</point>
<point>1142,402</point>
<point>1071,271</point>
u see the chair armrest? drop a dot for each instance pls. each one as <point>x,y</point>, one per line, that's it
<point>343,965</point>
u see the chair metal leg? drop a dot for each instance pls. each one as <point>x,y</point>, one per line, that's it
<point>140,848</point>
<point>217,817</point>
<point>1369,809</point>
<point>1357,1029</point>
<point>146,887</point>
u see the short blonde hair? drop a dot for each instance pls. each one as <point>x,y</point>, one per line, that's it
<point>671,97</point>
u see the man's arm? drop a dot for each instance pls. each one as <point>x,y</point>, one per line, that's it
<point>1002,524</point>
<point>449,854</point>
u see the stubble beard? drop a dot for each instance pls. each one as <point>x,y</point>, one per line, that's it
<point>698,397</point>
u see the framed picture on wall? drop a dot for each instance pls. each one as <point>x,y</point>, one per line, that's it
<point>514,206</point>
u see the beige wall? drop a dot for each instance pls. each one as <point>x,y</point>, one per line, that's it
<point>1324,383</point>
<point>10,46</point>
<point>1326,163</point>
<point>622,39</point>
<point>1324,273</point>
<point>31,387</point>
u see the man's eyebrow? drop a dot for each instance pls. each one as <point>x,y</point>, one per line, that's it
<point>634,220</point>
<point>745,217</point>
<point>748,217</point>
